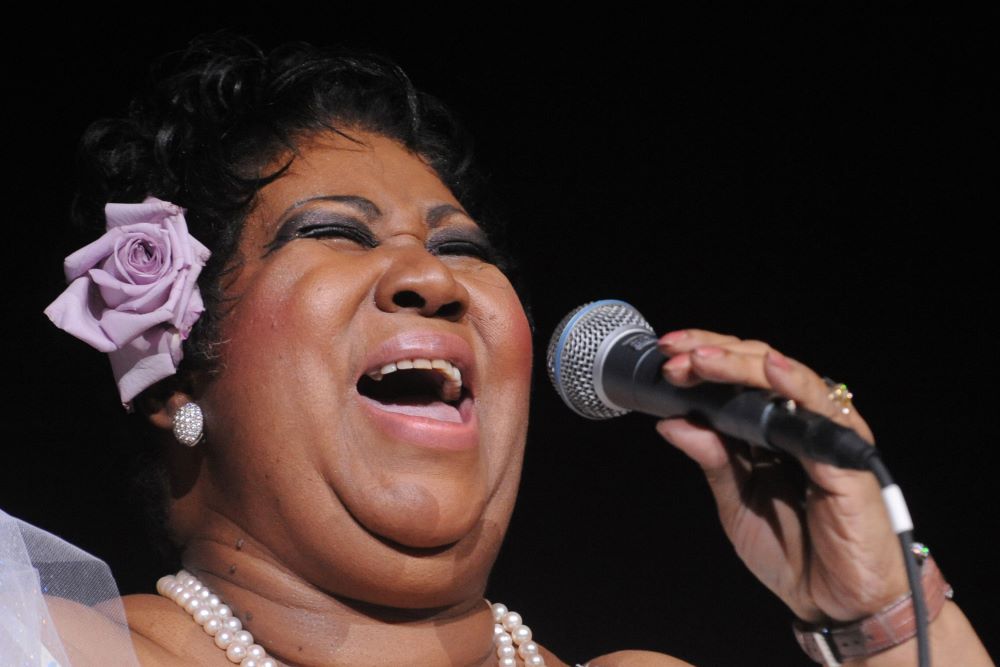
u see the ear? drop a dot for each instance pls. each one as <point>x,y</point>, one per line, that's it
<point>161,412</point>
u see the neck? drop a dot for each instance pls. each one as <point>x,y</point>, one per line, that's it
<point>302,626</point>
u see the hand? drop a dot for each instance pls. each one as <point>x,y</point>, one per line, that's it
<point>823,544</point>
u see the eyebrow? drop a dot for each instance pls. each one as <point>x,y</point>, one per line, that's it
<point>365,207</point>
<point>442,211</point>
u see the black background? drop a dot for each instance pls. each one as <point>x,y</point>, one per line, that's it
<point>822,180</point>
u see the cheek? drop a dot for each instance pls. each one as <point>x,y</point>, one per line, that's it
<point>503,326</point>
<point>299,303</point>
<point>287,321</point>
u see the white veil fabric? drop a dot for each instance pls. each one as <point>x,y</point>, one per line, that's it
<point>36,568</point>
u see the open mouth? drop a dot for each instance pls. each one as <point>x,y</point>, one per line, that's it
<point>428,388</point>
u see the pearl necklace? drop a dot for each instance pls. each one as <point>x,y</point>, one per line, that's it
<point>511,636</point>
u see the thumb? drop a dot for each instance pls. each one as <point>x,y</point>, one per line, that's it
<point>726,473</point>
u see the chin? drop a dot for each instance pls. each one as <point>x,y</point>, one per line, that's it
<point>392,574</point>
<point>423,522</point>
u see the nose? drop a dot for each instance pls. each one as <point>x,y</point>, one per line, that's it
<point>418,281</point>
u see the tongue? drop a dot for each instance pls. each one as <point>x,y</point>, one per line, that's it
<point>415,408</point>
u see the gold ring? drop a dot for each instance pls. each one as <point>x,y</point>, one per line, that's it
<point>840,395</point>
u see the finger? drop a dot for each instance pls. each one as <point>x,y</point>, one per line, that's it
<point>722,364</point>
<point>686,340</point>
<point>800,383</point>
<point>725,473</point>
<point>677,370</point>
<point>707,362</point>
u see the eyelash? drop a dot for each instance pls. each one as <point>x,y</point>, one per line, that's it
<point>447,247</point>
<point>325,230</point>
<point>461,247</point>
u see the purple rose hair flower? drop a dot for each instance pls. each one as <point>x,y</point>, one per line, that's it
<point>133,293</point>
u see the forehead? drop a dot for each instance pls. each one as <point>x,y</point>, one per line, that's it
<point>371,166</point>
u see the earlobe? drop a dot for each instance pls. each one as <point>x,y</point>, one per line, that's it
<point>161,412</point>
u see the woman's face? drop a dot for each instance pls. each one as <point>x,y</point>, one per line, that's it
<point>357,262</point>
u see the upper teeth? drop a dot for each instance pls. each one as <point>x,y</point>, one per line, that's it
<point>450,390</point>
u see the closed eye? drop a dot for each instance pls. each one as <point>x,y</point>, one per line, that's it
<point>323,225</point>
<point>463,248</point>
<point>463,243</point>
<point>359,235</point>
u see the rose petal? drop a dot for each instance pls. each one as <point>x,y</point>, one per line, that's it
<point>126,297</point>
<point>76,312</point>
<point>151,210</point>
<point>141,260</point>
<point>123,327</point>
<point>145,361</point>
<point>90,255</point>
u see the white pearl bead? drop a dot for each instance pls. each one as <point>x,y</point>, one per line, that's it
<point>203,615</point>
<point>527,649</point>
<point>223,638</point>
<point>182,574</point>
<point>256,651</point>
<point>268,662</point>
<point>250,662</point>
<point>163,584</point>
<point>503,639</point>
<point>175,590</point>
<point>236,652</point>
<point>498,611</point>
<point>188,580</point>
<point>214,601</point>
<point>521,634</point>
<point>534,661</point>
<point>212,626</point>
<point>223,611</point>
<point>196,586</point>
<point>192,605</point>
<point>232,624</point>
<point>508,662</point>
<point>511,620</point>
<point>203,594</point>
<point>184,596</point>
<point>243,638</point>
<point>506,652</point>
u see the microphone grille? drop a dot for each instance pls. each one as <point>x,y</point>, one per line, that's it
<point>573,350</point>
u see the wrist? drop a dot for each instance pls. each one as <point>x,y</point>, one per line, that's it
<point>894,624</point>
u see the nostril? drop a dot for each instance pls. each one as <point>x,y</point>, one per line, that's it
<point>450,310</point>
<point>408,299</point>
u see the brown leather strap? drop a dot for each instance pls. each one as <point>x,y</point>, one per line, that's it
<point>889,627</point>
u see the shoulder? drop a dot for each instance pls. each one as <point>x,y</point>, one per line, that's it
<point>165,635</point>
<point>89,637</point>
<point>159,634</point>
<point>636,659</point>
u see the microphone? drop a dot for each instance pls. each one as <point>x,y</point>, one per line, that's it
<point>604,362</point>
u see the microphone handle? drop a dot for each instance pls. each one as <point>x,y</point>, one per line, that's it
<point>627,374</point>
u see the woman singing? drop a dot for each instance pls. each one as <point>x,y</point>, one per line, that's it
<point>299,294</point>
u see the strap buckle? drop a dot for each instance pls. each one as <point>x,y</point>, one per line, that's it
<point>817,645</point>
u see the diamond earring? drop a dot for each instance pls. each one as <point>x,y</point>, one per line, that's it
<point>189,424</point>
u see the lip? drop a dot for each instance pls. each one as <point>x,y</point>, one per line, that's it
<point>423,431</point>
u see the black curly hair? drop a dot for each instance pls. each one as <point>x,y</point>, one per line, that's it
<point>218,113</point>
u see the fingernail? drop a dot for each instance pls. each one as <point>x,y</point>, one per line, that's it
<point>677,364</point>
<point>673,337</point>
<point>776,358</point>
<point>708,351</point>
